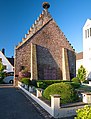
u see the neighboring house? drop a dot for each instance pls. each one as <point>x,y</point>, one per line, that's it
<point>79,60</point>
<point>45,51</point>
<point>9,66</point>
<point>86,59</point>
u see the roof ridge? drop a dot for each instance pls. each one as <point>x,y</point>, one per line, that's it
<point>43,18</point>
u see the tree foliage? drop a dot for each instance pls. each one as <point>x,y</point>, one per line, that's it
<point>26,81</point>
<point>1,67</point>
<point>2,70</point>
<point>81,73</point>
<point>84,113</point>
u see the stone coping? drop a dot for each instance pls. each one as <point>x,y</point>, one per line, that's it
<point>86,93</point>
<point>40,89</point>
<point>73,104</point>
<point>55,96</point>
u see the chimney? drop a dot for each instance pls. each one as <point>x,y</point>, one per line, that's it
<point>46,5</point>
<point>3,51</point>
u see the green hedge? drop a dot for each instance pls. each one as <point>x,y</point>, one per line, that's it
<point>42,85</point>
<point>86,81</point>
<point>76,80</point>
<point>45,83</point>
<point>66,91</point>
<point>26,81</point>
<point>75,85</point>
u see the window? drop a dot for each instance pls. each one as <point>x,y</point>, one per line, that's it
<point>85,33</point>
<point>90,31</point>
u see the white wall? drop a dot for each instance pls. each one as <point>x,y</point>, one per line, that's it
<point>87,48</point>
<point>78,64</point>
<point>54,110</point>
<point>6,62</point>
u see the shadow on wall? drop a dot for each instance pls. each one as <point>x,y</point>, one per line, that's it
<point>47,67</point>
<point>72,63</point>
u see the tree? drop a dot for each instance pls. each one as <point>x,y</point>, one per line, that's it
<point>2,70</point>
<point>65,90</point>
<point>81,73</point>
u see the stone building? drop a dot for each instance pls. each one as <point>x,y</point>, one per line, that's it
<point>45,51</point>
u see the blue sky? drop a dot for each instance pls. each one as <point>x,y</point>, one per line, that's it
<point>17,16</point>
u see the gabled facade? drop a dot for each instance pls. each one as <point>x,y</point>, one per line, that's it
<point>87,47</point>
<point>86,59</point>
<point>8,66</point>
<point>45,51</point>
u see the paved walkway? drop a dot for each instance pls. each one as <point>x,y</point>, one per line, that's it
<point>14,105</point>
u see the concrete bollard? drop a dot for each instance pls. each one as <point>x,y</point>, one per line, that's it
<point>89,83</point>
<point>39,92</point>
<point>86,97</point>
<point>26,87</point>
<point>55,105</point>
<point>30,89</point>
<point>19,83</point>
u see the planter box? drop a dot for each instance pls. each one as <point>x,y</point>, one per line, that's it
<point>26,87</point>
<point>23,85</point>
<point>89,83</point>
<point>30,89</point>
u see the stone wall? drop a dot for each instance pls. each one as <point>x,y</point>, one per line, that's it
<point>23,58</point>
<point>49,41</point>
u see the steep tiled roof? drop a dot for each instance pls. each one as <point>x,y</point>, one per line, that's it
<point>79,56</point>
<point>11,60</point>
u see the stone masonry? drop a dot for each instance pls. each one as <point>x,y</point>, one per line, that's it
<point>46,60</point>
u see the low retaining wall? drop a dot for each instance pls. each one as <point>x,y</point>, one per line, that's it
<point>55,110</point>
<point>40,102</point>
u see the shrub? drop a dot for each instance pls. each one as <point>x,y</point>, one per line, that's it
<point>34,83</point>
<point>41,85</point>
<point>66,91</point>
<point>76,80</point>
<point>24,73</point>
<point>49,82</point>
<point>86,81</point>
<point>46,83</point>
<point>26,81</point>
<point>84,113</point>
<point>2,73</point>
<point>75,85</point>
<point>81,73</point>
